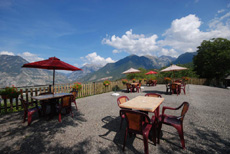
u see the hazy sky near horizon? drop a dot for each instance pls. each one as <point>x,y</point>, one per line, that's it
<point>102,31</point>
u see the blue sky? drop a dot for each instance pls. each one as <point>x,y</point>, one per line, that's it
<point>102,31</point>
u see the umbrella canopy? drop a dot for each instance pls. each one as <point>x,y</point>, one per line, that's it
<point>151,72</point>
<point>52,63</point>
<point>131,70</point>
<point>173,68</point>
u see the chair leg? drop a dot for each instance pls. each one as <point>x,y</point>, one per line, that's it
<point>29,118</point>
<point>181,134</point>
<point>126,132</point>
<point>145,137</point>
<point>24,118</point>
<point>159,132</point>
<point>75,104</point>
<point>121,123</point>
<point>59,117</point>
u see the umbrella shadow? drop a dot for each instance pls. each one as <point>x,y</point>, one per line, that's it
<point>36,137</point>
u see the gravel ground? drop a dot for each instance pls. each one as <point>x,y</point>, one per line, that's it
<point>95,126</point>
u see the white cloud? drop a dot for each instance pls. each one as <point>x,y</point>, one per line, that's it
<point>116,51</point>
<point>184,35</point>
<point>133,43</point>
<point>221,11</point>
<point>93,58</point>
<point>30,57</point>
<point>228,5</point>
<point>6,53</point>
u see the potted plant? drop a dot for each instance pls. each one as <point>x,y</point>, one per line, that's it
<point>76,86</point>
<point>9,92</point>
<point>106,83</point>
<point>124,81</point>
<point>134,80</point>
<point>167,79</point>
<point>185,79</point>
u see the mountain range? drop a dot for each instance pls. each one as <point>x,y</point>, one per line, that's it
<point>11,72</point>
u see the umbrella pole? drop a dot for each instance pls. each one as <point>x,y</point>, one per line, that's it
<point>53,78</point>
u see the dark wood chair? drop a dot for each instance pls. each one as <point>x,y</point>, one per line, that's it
<point>174,88</point>
<point>29,111</point>
<point>120,100</point>
<point>74,98</point>
<point>44,103</point>
<point>129,87</point>
<point>175,121</point>
<point>139,123</point>
<point>65,104</point>
<point>137,87</point>
<point>153,95</point>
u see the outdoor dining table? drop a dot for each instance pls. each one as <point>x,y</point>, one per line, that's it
<point>51,98</point>
<point>143,103</point>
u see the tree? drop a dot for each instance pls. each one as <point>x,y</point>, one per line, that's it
<point>213,59</point>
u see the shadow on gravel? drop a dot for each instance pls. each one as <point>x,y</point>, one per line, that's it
<point>39,135</point>
<point>112,124</point>
<point>156,91</point>
<point>202,141</point>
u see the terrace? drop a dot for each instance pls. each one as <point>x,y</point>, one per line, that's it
<point>95,126</point>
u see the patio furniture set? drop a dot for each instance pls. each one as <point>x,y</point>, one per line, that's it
<point>133,87</point>
<point>135,112</point>
<point>176,87</point>
<point>57,103</point>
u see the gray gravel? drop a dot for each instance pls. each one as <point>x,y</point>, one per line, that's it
<point>95,126</point>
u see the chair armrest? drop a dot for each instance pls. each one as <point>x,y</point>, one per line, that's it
<point>166,107</point>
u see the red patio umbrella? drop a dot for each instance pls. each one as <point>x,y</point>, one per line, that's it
<point>150,72</point>
<point>52,63</point>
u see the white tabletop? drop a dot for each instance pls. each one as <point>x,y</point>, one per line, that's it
<point>143,103</point>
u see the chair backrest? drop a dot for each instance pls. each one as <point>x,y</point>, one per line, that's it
<point>66,101</point>
<point>184,110</point>
<point>25,104</point>
<point>153,95</point>
<point>128,85</point>
<point>135,120</point>
<point>174,86</point>
<point>122,99</point>
<point>74,95</point>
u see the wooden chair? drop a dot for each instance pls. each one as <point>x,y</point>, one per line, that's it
<point>65,104</point>
<point>74,98</point>
<point>28,112</point>
<point>153,95</point>
<point>120,100</point>
<point>175,121</point>
<point>129,87</point>
<point>174,87</point>
<point>139,123</point>
<point>44,103</point>
<point>137,88</point>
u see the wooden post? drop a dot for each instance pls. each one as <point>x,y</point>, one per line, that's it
<point>27,99</point>
<point>5,104</point>
<point>11,104</point>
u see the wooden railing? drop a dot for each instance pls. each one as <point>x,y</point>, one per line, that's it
<point>12,104</point>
